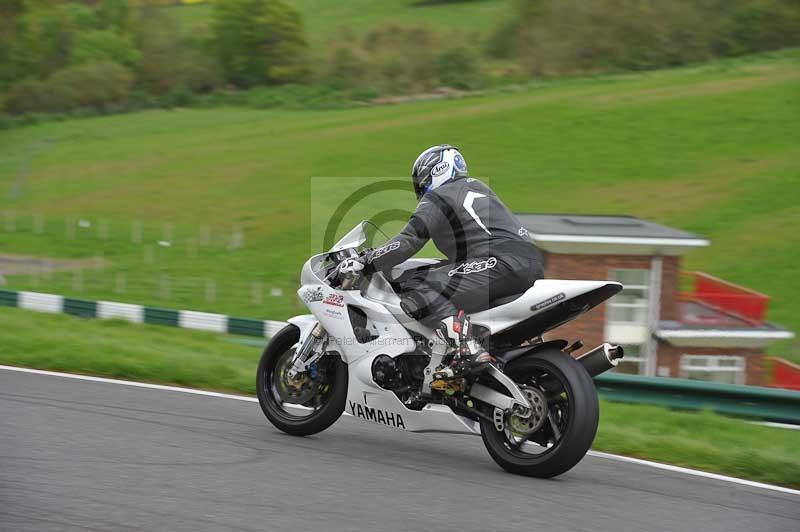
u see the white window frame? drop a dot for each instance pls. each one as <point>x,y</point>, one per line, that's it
<point>739,369</point>
<point>644,288</point>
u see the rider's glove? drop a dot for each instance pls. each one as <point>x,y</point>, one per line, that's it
<point>352,265</point>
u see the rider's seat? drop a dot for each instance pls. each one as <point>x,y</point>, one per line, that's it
<point>496,302</point>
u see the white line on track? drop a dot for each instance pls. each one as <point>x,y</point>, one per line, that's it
<point>132,383</point>
<point>693,472</point>
<point>598,454</point>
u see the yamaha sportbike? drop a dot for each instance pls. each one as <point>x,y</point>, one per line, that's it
<point>536,407</point>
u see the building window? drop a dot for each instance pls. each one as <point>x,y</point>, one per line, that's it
<point>716,368</point>
<point>633,361</point>
<point>631,305</point>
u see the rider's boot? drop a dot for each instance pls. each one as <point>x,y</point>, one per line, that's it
<point>469,356</point>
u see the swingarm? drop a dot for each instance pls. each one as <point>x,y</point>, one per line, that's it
<point>517,403</point>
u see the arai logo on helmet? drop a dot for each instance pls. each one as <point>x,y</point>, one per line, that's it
<point>440,169</point>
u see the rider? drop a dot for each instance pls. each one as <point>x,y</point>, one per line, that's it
<point>489,253</point>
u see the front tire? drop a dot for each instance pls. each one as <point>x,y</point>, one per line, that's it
<point>565,435</point>
<point>323,407</point>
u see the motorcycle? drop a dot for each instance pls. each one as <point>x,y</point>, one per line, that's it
<point>536,407</point>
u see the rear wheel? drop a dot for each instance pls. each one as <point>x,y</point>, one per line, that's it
<point>563,424</point>
<point>307,404</point>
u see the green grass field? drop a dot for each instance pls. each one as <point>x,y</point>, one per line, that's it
<point>324,18</point>
<point>712,149</point>
<point>190,358</point>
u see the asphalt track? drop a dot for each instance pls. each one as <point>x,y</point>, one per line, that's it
<point>78,455</point>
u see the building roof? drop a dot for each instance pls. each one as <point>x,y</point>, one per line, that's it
<point>580,233</point>
<point>701,315</point>
<point>702,325</point>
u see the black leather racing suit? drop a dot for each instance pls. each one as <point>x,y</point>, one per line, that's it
<point>489,253</point>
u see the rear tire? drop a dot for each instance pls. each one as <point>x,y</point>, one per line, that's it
<point>579,414</point>
<point>335,397</point>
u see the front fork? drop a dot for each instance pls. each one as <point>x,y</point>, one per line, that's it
<point>309,352</point>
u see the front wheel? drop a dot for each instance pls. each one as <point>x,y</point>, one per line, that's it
<point>563,422</point>
<point>307,404</point>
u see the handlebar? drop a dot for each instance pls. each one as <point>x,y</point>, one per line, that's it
<point>349,281</point>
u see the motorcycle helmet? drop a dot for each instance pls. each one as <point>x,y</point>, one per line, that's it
<point>436,166</point>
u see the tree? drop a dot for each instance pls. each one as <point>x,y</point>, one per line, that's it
<point>99,86</point>
<point>172,61</point>
<point>259,42</point>
<point>10,10</point>
<point>42,41</point>
<point>104,45</point>
<point>115,15</point>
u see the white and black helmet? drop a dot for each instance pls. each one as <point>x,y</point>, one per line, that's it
<point>436,166</point>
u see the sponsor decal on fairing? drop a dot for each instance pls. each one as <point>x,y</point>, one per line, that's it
<point>334,313</point>
<point>377,415</point>
<point>312,295</point>
<point>549,301</point>
<point>334,299</point>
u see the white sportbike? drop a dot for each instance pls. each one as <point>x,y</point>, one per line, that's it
<point>536,408</point>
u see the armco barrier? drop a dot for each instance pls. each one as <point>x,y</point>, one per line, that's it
<point>732,399</point>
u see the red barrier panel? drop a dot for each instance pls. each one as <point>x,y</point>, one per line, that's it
<point>729,297</point>
<point>785,374</point>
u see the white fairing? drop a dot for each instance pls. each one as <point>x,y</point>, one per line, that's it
<point>365,399</point>
<point>539,298</point>
<point>389,328</point>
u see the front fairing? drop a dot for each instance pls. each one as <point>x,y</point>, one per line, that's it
<point>314,270</point>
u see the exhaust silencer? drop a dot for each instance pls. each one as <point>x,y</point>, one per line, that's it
<point>601,358</point>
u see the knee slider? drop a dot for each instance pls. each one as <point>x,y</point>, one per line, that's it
<point>414,305</point>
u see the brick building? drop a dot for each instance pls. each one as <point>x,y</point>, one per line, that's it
<point>672,324</point>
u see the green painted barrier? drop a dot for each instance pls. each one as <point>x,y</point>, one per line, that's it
<point>245,326</point>
<point>8,298</point>
<point>161,316</point>
<point>745,401</point>
<point>80,307</point>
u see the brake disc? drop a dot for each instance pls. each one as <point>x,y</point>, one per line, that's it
<point>297,389</point>
<point>525,426</point>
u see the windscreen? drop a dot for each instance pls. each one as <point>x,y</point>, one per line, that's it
<point>365,232</point>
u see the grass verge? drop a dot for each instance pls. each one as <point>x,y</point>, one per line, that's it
<point>118,349</point>
<point>177,356</point>
<point>701,440</point>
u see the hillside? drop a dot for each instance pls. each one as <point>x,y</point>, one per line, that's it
<point>323,18</point>
<point>712,149</point>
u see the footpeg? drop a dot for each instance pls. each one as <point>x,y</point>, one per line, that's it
<point>462,368</point>
<point>443,374</point>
